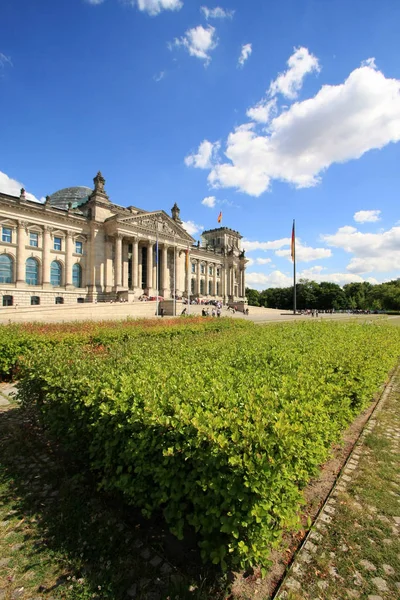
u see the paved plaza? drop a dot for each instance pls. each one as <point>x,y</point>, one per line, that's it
<point>137,310</point>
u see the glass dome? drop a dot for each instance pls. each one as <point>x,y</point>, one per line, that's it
<point>74,195</point>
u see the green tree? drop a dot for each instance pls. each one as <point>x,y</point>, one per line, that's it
<point>253,297</point>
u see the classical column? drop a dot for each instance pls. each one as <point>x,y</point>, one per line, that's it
<point>68,259</point>
<point>206,281</point>
<point>198,270</point>
<point>125,265</point>
<point>21,253</point>
<point>46,256</point>
<point>164,271</point>
<point>140,268</point>
<point>231,282</point>
<point>215,281</point>
<point>178,278</point>
<point>135,263</point>
<point>108,280</point>
<point>150,246</point>
<point>118,261</point>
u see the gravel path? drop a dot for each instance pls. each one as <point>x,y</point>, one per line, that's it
<point>353,549</point>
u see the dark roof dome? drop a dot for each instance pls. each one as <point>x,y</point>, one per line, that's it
<point>72,195</point>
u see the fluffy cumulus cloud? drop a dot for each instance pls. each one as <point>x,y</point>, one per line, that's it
<point>305,253</point>
<point>245,53</point>
<point>204,157</point>
<point>282,248</point>
<point>367,216</point>
<point>154,7</point>
<point>209,201</point>
<point>372,252</point>
<point>250,246</point>
<point>340,123</point>
<point>263,261</point>
<point>216,13</point>
<point>263,111</point>
<point>13,188</point>
<point>191,227</point>
<point>290,82</point>
<point>276,279</point>
<point>199,42</point>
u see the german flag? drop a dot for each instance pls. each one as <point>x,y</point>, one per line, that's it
<point>220,217</point>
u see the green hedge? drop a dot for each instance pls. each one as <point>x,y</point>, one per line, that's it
<point>18,340</point>
<point>219,431</point>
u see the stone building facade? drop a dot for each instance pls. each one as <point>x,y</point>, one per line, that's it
<point>80,247</point>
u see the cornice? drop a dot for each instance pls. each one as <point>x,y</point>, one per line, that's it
<point>21,208</point>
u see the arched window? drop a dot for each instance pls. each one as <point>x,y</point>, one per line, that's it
<point>55,273</point>
<point>202,286</point>
<point>6,269</point>
<point>32,271</point>
<point>77,275</point>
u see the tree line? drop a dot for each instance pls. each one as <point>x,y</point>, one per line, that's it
<point>327,296</point>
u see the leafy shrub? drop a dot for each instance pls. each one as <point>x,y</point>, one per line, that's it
<point>220,431</point>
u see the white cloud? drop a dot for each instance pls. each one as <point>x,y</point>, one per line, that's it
<point>4,61</point>
<point>367,216</point>
<point>199,42</point>
<point>277,279</point>
<point>305,253</point>
<point>245,53</point>
<point>373,252</point>
<point>205,155</point>
<point>13,188</point>
<point>263,261</point>
<point>340,123</point>
<point>209,201</point>
<point>274,245</point>
<point>262,280</point>
<point>159,76</point>
<point>191,227</point>
<point>263,111</point>
<point>216,13</point>
<point>94,2</point>
<point>290,82</point>
<point>154,7</point>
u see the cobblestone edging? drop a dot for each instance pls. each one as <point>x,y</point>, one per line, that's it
<point>325,516</point>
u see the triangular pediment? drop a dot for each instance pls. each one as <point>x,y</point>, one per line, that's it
<point>156,221</point>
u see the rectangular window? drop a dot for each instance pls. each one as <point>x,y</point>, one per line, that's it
<point>57,243</point>
<point>33,239</point>
<point>202,269</point>
<point>210,270</point>
<point>6,235</point>
<point>218,272</point>
<point>78,247</point>
<point>193,268</point>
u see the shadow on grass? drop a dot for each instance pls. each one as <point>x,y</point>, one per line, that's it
<point>79,543</point>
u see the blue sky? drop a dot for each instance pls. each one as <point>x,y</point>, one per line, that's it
<point>264,110</point>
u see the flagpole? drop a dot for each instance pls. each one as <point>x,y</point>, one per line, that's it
<point>294,267</point>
